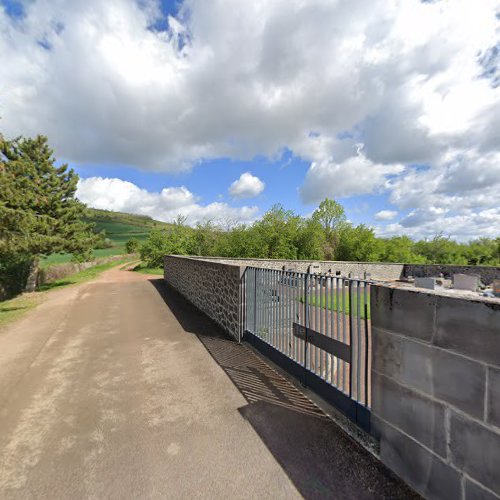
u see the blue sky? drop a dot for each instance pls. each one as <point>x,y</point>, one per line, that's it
<point>222,109</point>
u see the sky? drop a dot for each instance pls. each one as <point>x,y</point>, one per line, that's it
<point>219,109</point>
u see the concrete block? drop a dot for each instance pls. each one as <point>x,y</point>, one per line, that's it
<point>421,469</point>
<point>406,312</point>
<point>475,492</point>
<point>442,375</point>
<point>493,398</point>
<point>466,282</point>
<point>471,327</point>
<point>476,450</point>
<point>420,417</point>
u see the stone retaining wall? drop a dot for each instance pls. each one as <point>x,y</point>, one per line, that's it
<point>382,271</point>
<point>213,287</point>
<point>378,271</point>
<point>436,391</point>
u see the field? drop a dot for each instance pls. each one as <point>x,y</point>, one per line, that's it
<point>119,228</point>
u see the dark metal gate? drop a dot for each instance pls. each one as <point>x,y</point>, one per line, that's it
<point>316,327</point>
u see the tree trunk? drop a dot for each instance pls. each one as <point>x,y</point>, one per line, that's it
<point>31,282</point>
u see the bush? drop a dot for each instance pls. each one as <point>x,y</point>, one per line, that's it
<point>14,271</point>
<point>133,245</point>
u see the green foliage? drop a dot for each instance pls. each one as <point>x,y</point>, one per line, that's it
<point>133,245</point>
<point>400,249</point>
<point>282,234</point>
<point>358,243</point>
<point>442,250</point>
<point>39,213</point>
<point>178,240</point>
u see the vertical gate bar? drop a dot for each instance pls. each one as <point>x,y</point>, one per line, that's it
<point>350,338</point>
<point>273,311</point>
<point>306,304</point>
<point>344,335</point>
<point>281,309</point>
<point>367,340</point>
<point>321,323</point>
<point>316,321</point>
<point>255,301</point>
<point>358,341</point>
<point>336,310</point>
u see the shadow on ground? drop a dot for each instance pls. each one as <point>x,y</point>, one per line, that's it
<point>319,458</point>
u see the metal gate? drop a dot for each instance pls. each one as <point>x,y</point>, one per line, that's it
<point>316,327</point>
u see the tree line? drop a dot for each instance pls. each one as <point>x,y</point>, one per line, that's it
<point>326,235</point>
<point>39,216</point>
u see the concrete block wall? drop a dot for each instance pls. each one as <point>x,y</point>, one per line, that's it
<point>213,287</point>
<point>436,391</point>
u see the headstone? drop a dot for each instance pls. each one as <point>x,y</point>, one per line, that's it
<point>466,282</point>
<point>315,268</point>
<point>496,287</point>
<point>429,283</point>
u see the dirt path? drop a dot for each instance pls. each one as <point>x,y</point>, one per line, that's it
<point>103,394</point>
<point>119,388</point>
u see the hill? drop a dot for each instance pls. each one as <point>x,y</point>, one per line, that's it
<point>119,228</point>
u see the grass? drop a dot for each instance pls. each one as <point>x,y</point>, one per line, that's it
<point>332,304</point>
<point>13,309</point>
<point>142,268</point>
<point>82,276</point>
<point>119,228</point>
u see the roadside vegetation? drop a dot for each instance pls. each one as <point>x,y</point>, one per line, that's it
<point>13,309</point>
<point>326,235</point>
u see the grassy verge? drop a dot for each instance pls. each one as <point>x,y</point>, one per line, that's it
<point>142,268</point>
<point>82,276</point>
<point>12,309</point>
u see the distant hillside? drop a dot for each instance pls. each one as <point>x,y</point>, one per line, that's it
<point>119,228</point>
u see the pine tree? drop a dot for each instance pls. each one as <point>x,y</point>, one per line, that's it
<point>39,213</point>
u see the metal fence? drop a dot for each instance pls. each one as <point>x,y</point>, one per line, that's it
<point>317,327</point>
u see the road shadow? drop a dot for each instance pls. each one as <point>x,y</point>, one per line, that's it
<point>318,456</point>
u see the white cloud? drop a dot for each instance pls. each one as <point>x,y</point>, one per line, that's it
<point>386,214</point>
<point>238,79</point>
<point>124,196</point>
<point>247,186</point>
<point>355,175</point>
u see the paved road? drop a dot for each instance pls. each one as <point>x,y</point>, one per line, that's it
<point>119,389</point>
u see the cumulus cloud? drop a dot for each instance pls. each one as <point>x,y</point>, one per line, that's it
<point>247,186</point>
<point>355,175</point>
<point>124,196</point>
<point>386,214</point>
<point>239,79</point>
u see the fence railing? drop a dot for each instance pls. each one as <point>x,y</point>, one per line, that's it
<point>319,322</point>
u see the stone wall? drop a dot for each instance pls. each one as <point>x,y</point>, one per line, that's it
<point>213,287</point>
<point>382,271</point>
<point>378,271</point>
<point>436,391</point>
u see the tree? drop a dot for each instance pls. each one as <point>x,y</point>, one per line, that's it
<point>39,213</point>
<point>358,243</point>
<point>132,245</point>
<point>400,249</point>
<point>331,216</point>
<point>278,230</point>
<point>442,250</point>
<point>178,240</point>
